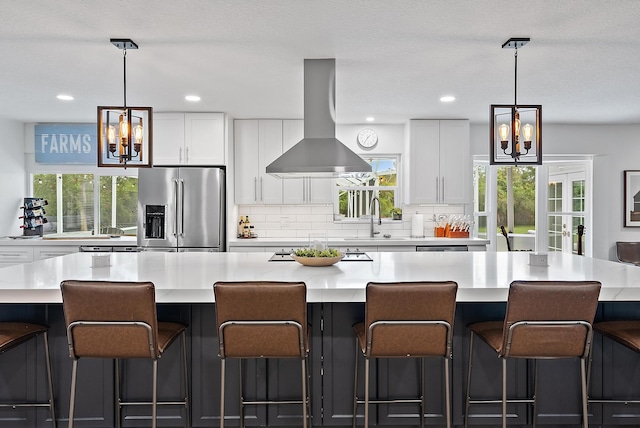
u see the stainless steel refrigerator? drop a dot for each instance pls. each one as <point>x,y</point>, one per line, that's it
<point>181,209</point>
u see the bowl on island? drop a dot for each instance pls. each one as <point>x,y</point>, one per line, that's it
<point>309,257</point>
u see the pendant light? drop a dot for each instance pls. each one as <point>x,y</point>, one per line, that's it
<point>516,129</point>
<point>124,133</point>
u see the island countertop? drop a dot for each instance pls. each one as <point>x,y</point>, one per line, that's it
<point>189,277</point>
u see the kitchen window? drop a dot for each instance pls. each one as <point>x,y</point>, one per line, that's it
<point>356,190</point>
<point>74,199</point>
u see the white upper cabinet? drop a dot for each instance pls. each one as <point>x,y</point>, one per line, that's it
<point>188,139</point>
<point>439,162</point>
<point>302,190</point>
<point>257,144</point>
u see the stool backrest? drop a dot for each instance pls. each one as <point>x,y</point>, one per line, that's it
<point>410,318</point>
<point>549,319</point>
<point>628,252</point>
<point>110,319</point>
<point>261,319</point>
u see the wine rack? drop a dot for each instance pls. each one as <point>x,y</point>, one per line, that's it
<point>33,217</point>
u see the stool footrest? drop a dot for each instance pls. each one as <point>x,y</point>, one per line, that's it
<point>149,403</point>
<point>616,401</point>
<point>512,401</point>
<point>274,402</point>
<point>25,405</point>
<point>399,400</point>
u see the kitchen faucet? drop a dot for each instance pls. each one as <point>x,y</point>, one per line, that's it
<point>371,214</point>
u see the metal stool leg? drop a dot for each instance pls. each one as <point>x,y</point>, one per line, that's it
<point>468,394</point>
<point>447,390</point>
<point>241,395</point>
<point>308,396</point>
<point>154,404</point>
<point>355,384</point>
<point>422,395</point>
<point>535,392</point>
<point>223,362</point>
<point>366,392</point>
<point>72,401</point>
<point>304,394</point>
<point>185,374</point>
<point>49,378</point>
<point>118,400</point>
<point>504,393</point>
<point>583,380</point>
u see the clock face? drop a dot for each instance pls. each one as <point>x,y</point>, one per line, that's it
<point>367,138</point>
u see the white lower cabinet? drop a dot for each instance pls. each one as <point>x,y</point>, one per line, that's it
<point>41,253</point>
<point>13,255</point>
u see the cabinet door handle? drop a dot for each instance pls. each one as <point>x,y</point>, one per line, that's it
<point>180,156</point>
<point>255,189</point>
<point>437,189</point>
<point>304,189</point>
<point>186,158</point>
<point>442,189</point>
<point>261,191</point>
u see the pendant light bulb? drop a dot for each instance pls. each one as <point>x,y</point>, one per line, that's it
<point>503,130</point>
<point>527,132</point>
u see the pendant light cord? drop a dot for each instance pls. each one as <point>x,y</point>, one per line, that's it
<point>124,58</point>
<point>515,90</point>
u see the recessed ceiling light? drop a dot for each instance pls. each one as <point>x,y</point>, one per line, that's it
<point>64,97</point>
<point>370,119</point>
<point>447,98</point>
<point>192,98</point>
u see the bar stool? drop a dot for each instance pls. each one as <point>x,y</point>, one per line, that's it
<point>544,320</point>
<point>262,320</point>
<point>13,334</point>
<point>406,320</point>
<point>626,333</point>
<point>118,320</point>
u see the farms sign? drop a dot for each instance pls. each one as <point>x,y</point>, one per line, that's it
<point>66,143</point>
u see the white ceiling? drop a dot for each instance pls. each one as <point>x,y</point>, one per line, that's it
<point>394,58</point>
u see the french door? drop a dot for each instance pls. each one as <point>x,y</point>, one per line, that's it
<point>566,206</point>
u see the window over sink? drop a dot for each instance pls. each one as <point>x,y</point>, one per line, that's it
<point>356,190</point>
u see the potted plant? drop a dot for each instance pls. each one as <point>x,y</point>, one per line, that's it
<point>396,213</point>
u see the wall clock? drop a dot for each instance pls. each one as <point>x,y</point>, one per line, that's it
<point>367,138</point>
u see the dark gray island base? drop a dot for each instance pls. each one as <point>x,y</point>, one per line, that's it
<point>615,371</point>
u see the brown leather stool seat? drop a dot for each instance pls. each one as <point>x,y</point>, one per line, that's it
<point>627,333</point>
<point>263,319</point>
<point>628,252</point>
<point>118,320</point>
<point>406,320</point>
<point>544,320</point>
<point>13,334</point>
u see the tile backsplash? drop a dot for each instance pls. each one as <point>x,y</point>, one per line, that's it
<point>297,221</point>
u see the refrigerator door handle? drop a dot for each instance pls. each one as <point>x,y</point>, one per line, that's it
<point>175,198</point>
<point>181,207</point>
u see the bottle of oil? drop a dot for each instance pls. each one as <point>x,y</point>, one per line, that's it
<point>246,231</point>
<point>241,227</point>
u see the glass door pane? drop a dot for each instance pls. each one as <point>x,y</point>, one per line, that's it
<point>566,206</point>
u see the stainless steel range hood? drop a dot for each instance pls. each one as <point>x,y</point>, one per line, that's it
<point>319,154</point>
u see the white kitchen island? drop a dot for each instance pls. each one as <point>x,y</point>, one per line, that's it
<point>336,294</point>
<point>189,277</point>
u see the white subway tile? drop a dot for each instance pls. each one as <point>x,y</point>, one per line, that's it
<point>265,209</point>
<point>296,209</point>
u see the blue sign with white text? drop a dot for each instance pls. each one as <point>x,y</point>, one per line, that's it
<point>66,143</point>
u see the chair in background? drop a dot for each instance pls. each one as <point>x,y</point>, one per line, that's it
<point>262,320</point>
<point>628,252</point>
<point>544,320</point>
<point>118,320</point>
<point>13,334</point>
<point>406,320</point>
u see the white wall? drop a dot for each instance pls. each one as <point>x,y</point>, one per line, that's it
<point>616,148</point>
<point>12,176</point>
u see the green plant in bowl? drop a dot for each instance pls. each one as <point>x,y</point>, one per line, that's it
<point>308,252</point>
<point>311,257</point>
